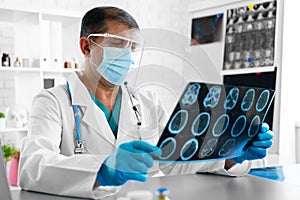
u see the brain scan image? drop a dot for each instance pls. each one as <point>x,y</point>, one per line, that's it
<point>213,97</point>
<point>231,98</point>
<point>262,101</point>
<point>168,147</point>
<point>227,147</point>
<point>220,127</point>
<point>191,95</point>
<point>248,100</point>
<point>238,126</point>
<point>189,149</point>
<point>178,122</point>
<point>200,124</point>
<point>208,148</point>
<point>254,126</point>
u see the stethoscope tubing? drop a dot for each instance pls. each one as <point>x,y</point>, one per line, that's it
<point>78,141</point>
<point>76,116</point>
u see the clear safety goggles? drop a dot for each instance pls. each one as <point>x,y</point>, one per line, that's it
<point>118,41</point>
<point>127,39</point>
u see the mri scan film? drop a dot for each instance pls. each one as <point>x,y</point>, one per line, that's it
<point>213,121</point>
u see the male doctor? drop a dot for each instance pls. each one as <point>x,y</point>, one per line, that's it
<point>93,134</point>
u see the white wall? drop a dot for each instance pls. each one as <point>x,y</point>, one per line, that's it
<point>290,99</point>
<point>7,91</point>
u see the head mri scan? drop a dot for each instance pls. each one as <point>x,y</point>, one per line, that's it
<point>212,122</point>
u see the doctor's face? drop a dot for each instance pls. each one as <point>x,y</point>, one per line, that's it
<point>116,31</point>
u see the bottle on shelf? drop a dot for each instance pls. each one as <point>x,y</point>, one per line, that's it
<point>67,64</point>
<point>75,63</point>
<point>17,62</point>
<point>5,60</point>
<point>71,63</point>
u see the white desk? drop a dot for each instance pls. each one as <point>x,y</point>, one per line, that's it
<point>200,186</point>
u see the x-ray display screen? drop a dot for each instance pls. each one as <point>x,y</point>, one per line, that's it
<point>206,29</point>
<point>213,121</point>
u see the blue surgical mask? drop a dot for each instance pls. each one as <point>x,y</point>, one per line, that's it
<point>115,65</point>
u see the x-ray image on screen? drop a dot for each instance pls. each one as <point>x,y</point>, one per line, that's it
<point>213,121</point>
<point>206,29</point>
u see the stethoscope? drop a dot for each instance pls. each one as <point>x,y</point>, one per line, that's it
<point>79,147</point>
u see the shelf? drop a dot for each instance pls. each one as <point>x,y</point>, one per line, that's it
<point>10,130</point>
<point>248,71</point>
<point>72,18</point>
<point>19,69</point>
<point>18,13</point>
<point>44,70</point>
<point>62,70</point>
<point>13,15</point>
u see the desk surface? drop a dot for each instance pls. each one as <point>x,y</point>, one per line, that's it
<point>216,187</point>
<point>200,186</point>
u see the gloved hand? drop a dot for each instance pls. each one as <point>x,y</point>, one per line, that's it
<point>130,161</point>
<point>258,148</point>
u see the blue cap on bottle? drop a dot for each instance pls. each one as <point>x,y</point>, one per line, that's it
<point>161,190</point>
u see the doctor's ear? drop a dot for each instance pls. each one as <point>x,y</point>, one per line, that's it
<point>85,44</point>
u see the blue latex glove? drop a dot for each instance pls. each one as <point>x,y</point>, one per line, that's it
<point>258,148</point>
<point>130,161</point>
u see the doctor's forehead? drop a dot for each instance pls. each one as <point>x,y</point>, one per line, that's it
<point>117,28</point>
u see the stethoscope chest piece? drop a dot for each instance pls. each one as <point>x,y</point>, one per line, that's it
<point>79,149</point>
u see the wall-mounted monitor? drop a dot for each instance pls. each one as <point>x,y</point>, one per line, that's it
<point>206,29</point>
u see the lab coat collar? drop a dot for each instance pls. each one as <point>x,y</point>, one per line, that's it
<point>79,93</point>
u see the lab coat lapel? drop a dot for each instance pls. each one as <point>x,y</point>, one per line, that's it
<point>95,118</point>
<point>79,93</point>
<point>92,115</point>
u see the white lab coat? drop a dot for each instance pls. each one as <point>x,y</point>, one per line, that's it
<point>48,163</point>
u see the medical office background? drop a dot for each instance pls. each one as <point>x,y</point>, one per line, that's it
<point>43,36</point>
